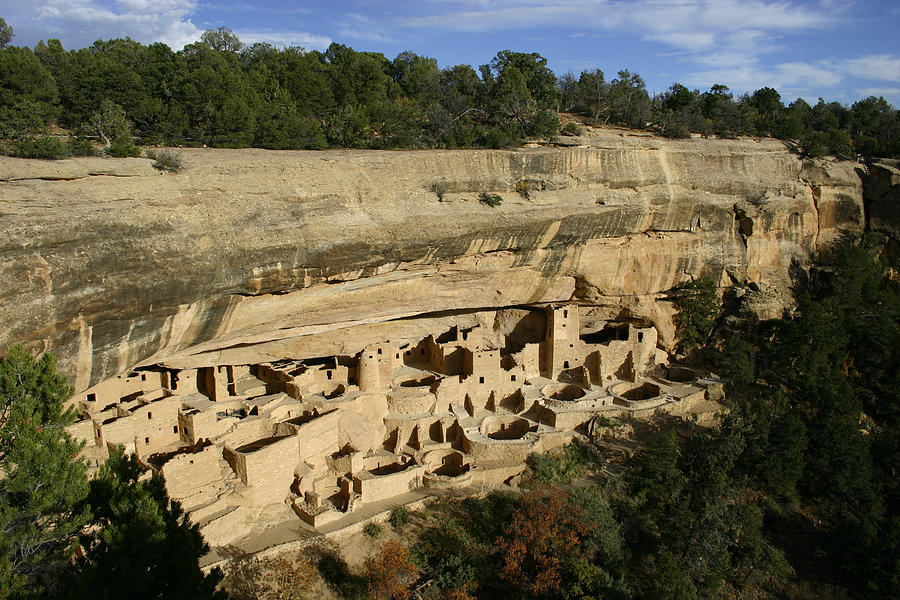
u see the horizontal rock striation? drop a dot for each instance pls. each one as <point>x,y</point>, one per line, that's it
<point>252,255</point>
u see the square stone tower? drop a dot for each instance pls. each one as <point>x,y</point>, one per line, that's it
<point>563,347</point>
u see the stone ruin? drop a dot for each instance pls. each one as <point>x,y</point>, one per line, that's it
<point>327,436</point>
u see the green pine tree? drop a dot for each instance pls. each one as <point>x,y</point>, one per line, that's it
<point>142,546</point>
<point>697,306</point>
<point>41,478</point>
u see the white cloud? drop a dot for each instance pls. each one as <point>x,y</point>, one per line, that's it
<point>308,41</point>
<point>887,92</point>
<point>693,42</point>
<point>802,74</point>
<point>647,17</point>
<point>724,38</point>
<point>808,79</point>
<point>357,26</point>
<point>80,22</point>
<point>881,67</point>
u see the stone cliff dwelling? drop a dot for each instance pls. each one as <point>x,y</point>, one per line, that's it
<point>332,434</point>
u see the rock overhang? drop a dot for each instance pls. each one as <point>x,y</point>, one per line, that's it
<point>248,254</point>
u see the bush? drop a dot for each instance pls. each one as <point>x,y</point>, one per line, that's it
<point>570,128</point>
<point>524,187</point>
<point>372,530</point>
<point>399,517</point>
<point>697,305</point>
<point>77,146</point>
<point>45,147</point>
<point>490,199</point>
<point>123,147</point>
<point>498,138</point>
<point>676,131</point>
<point>544,124</point>
<point>165,160</point>
<point>558,468</point>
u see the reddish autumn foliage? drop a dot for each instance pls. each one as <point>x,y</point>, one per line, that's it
<point>544,532</point>
<point>391,573</point>
<point>458,595</point>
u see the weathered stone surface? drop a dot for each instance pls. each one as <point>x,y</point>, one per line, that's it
<point>882,197</point>
<point>251,255</point>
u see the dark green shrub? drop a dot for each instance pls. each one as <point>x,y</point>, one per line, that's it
<point>814,144</point>
<point>373,529</point>
<point>558,468</point>
<point>676,131</point>
<point>544,124</point>
<point>165,160</point>
<point>123,147</point>
<point>570,128</point>
<point>45,147</point>
<point>697,304</point>
<point>399,517</point>
<point>501,138</point>
<point>490,199</point>
<point>77,146</point>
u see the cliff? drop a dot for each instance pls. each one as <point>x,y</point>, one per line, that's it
<point>252,255</point>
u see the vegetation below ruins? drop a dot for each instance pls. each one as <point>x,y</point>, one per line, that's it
<point>219,92</point>
<point>134,542</point>
<point>794,494</point>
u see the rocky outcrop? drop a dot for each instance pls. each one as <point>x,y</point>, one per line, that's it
<point>882,197</point>
<point>252,255</point>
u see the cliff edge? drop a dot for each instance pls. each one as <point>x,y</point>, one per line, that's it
<point>253,255</point>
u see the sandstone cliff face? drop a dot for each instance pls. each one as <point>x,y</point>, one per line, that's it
<point>882,197</point>
<point>251,255</point>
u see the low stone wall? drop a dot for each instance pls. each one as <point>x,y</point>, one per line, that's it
<point>374,488</point>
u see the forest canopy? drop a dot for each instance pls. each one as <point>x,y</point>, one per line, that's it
<point>220,92</point>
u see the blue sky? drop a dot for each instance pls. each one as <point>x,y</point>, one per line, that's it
<point>839,49</point>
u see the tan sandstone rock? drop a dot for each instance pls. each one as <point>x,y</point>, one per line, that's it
<point>251,255</point>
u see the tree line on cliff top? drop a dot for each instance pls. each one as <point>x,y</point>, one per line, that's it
<point>220,92</point>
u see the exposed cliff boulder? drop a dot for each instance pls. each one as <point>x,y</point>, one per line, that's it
<point>253,255</point>
<point>882,197</point>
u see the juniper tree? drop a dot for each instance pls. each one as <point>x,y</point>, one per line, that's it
<point>697,306</point>
<point>41,477</point>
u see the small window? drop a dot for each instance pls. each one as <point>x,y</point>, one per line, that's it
<point>566,365</point>
<point>147,440</point>
<point>192,462</point>
<point>422,351</point>
<point>175,429</point>
<point>329,374</point>
<point>571,345</point>
<point>143,377</point>
<point>92,397</point>
<point>149,415</point>
<point>565,315</point>
<point>640,336</point>
<point>481,380</point>
<point>99,433</point>
<point>398,355</point>
<point>379,351</point>
<point>512,377</point>
<point>563,325</point>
